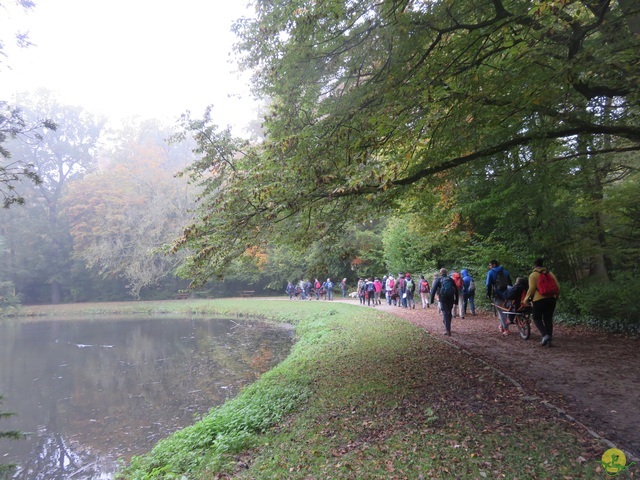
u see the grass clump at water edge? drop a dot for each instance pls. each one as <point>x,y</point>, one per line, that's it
<point>366,395</point>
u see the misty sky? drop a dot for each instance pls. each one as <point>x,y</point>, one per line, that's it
<point>152,58</point>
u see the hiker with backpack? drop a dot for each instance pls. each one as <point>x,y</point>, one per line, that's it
<point>410,287</point>
<point>378,288</point>
<point>361,290</point>
<point>544,290</point>
<point>457,279</point>
<point>402,291</point>
<point>424,290</point>
<point>371,292</point>
<point>498,279</point>
<point>291,290</point>
<point>447,293</point>
<point>328,287</point>
<point>468,292</point>
<point>388,287</point>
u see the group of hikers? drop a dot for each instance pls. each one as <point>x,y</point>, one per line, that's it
<point>401,291</point>
<point>306,289</point>
<point>539,292</point>
<point>455,294</point>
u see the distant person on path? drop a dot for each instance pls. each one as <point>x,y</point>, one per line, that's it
<point>361,290</point>
<point>291,290</point>
<point>424,290</point>
<point>389,288</point>
<point>378,286</point>
<point>328,286</point>
<point>544,289</point>
<point>307,289</point>
<point>343,287</point>
<point>469,292</point>
<point>402,291</point>
<point>447,293</point>
<point>410,288</point>
<point>457,279</point>
<point>317,286</point>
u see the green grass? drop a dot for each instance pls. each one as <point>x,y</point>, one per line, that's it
<point>366,395</point>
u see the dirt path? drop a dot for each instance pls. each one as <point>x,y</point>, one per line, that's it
<point>593,377</point>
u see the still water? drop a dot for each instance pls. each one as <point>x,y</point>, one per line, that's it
<point>92,391</point>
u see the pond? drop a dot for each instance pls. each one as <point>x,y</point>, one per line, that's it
<point>92,391</point>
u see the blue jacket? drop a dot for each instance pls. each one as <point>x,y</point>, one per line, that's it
<point>491,280</point>
<point>466,280</point>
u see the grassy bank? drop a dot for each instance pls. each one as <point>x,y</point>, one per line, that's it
<point>365,395</point>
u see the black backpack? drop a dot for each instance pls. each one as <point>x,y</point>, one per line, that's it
<point>502,282</point>
<point>447,288</point>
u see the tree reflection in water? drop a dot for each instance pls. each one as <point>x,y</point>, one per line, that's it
<point>94,391</point>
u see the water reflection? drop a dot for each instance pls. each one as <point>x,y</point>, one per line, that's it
<point>95,390</point>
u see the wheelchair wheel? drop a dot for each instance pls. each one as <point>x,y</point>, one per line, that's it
<point>524,326</point>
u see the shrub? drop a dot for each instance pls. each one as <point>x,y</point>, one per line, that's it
<point>607,306</point>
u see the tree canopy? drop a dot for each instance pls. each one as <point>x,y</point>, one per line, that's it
<point>374,104</point>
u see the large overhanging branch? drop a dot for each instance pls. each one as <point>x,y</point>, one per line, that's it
<point>632,133</point>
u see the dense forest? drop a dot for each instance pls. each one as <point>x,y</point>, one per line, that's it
<point>398,136</point>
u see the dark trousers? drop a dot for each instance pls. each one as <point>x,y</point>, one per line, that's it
<point>446,307</point>
<point>543,315</point>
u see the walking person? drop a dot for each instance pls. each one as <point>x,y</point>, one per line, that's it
<point>402,291</point>
<point>458,308</point>
<point>410,287</point>
<point>498,279</point>
<point>361,290</point>
<point>307,289</point>
<point>343,287</point>
<point>291,290</point>
<point>389,288</point>
<point>317,286</point>
<point>378,286</point>
<point>544,289</point>
<point>497,282</point>
<point>469,292</point>
<point>447,293</point>
<point>328,287</point>
<point>371,291</point>
<point>424,290</point>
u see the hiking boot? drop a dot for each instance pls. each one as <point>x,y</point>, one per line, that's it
<point>545,341</point>
<point>505,333</point>
<point>501,328</point>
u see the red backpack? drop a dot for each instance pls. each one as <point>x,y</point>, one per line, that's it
<point>547,286</point>
<point>457,279</point>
